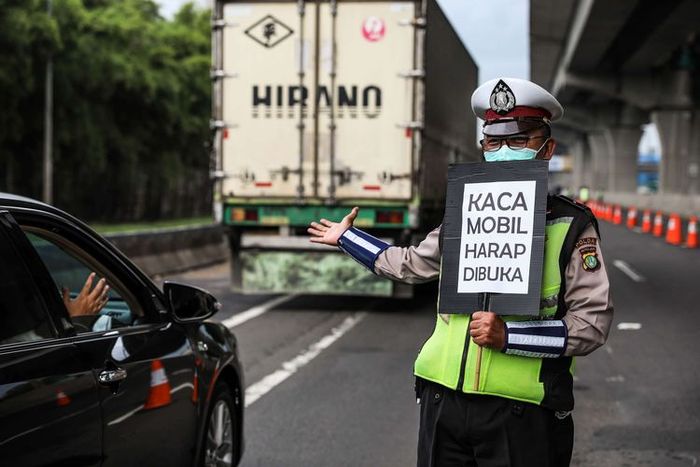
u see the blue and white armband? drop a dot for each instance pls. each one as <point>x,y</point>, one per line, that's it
<point>362,247</point>
<point>538,338</point>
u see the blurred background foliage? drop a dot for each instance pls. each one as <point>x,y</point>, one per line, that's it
<point>131,106</point>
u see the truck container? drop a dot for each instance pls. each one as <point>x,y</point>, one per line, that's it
<point>322,105</point>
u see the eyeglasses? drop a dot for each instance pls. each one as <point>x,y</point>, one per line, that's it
<point>514,142</point>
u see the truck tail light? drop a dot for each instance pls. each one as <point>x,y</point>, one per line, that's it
<point>251,215</point>
<point>237,214</point>
<point>244,215</point>
<point>389,217</point>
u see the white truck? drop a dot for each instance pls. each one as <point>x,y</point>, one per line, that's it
<point>321,105</point>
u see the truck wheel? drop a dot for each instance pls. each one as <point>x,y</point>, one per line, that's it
<point>219,434</point>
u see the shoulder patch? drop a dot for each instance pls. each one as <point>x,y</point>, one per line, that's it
<point>589,254</point>
<point>587,241</point>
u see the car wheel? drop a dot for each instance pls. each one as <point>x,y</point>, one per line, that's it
<point>219,436</point>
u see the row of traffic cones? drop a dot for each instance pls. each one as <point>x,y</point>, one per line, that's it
<point>674,236</point>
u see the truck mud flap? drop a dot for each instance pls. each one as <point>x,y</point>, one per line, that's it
<point>307,272</point>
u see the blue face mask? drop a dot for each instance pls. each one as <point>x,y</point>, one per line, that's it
<point>507,154</point>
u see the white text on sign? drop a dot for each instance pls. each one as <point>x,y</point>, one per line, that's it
<point>496,241</point>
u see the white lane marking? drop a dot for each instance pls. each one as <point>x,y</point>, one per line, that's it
<point>133,412</point>
<point>683,455</point>
<point>242,317</point>
<point>624,267</point>
<point>615,379</point>
<point>629,326</point>
<point>125,416</point>
<point>256,390</point>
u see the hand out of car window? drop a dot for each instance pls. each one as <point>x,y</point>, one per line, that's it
<point>90,300</point>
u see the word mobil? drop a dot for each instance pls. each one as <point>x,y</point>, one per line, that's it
<point>500,224</point>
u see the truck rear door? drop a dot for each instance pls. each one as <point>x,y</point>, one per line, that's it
<point>366,58</point>
<point>318,119</point>
<point>267,60</point>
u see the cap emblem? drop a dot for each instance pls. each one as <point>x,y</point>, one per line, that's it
<point>502,98</point>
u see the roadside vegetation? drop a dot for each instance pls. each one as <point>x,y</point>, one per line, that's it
<point>154,225</point>
<point>131,107</point>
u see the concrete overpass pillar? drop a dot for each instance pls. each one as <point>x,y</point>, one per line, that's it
<point>693,171</point>
<point>680,161</point>
<point>600,155</point>
<point>678,126</point>
<point>582,170</point>
<point>623,145</point>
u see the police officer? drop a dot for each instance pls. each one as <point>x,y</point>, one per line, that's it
<point>519,411</point>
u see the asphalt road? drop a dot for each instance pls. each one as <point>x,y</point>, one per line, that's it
<point>329,378</point>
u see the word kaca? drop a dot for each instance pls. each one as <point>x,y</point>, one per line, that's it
<point>504,201</point>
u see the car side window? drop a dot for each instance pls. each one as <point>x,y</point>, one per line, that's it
<point>107,308</point>
<point>23,315</point>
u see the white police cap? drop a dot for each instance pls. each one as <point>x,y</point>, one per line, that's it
<point>521,102</point>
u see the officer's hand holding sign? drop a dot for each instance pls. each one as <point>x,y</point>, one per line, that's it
<point>487,329</point>
<point>550,299</point>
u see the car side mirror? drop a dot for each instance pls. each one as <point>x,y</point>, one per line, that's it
<point>188,304</point>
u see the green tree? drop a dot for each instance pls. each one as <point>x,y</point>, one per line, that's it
<point>132,98</point>
<point>27,36</point>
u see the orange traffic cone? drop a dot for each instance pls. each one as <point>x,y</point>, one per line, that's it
<point>692,240</point>
<point>159,392</point>
<point>617,217</point>
<point>631,217</point>
<point>609,213</point>
<point>646,221</point>
<point>62,399</point>
<point>658,224</point>
<point>673,230</point>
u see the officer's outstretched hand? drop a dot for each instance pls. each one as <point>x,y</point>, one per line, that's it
<point>328,232</point>
<point>488,330</point>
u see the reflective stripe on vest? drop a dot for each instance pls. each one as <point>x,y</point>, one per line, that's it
<point>503,375</point>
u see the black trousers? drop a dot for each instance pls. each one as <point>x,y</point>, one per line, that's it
<point>465,430</point>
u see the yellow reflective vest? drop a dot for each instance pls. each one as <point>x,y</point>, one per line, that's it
<point>448,357</point>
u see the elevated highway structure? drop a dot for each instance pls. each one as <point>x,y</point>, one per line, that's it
<point>614,66</point>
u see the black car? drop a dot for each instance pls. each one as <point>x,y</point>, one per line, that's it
<point>143,381</point>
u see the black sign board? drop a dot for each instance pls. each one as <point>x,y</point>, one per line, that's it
<point>493,237</point>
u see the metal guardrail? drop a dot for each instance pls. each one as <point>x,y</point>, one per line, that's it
<point>171,250</point>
